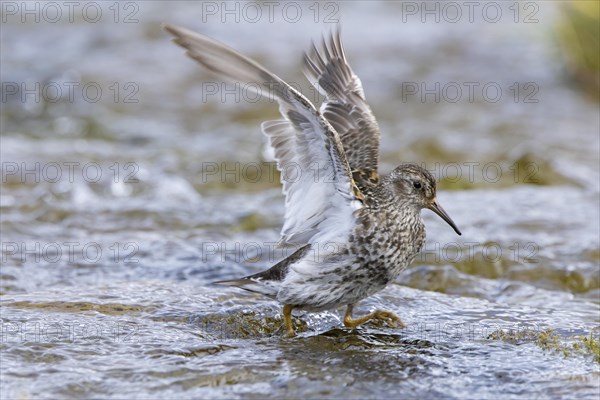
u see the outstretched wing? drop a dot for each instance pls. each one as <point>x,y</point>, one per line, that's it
<point>321,195</point>
<point>345,107</point>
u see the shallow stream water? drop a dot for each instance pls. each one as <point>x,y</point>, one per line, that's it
<point>131,179</point>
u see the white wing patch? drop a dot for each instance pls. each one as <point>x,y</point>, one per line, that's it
<point>319,202</point>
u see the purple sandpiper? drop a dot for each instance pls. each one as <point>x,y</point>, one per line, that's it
<point>375,222</point>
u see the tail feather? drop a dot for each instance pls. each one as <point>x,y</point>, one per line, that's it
<point>267,288</point>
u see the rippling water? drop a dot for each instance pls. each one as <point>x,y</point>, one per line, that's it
<point>131,179</point>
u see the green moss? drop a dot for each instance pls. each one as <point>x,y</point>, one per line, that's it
<point>247,324</point>
<point>548,340</point>
<point>591,345</point>
<point>515,336</point>
<point>454,184</point>
<point>81,306</point>
<point>507,170</point>
<point>531,169</point>
<point>251,223</point>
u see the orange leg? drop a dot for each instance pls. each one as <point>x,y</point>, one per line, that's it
<point>386,316</point>
<point>287,320</point>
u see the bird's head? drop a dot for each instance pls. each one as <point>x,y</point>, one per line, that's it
<point>416,186</point>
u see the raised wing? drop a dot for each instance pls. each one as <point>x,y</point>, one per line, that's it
<point>345,108</point>
<point>321,195</point>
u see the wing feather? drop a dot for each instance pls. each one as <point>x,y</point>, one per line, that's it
<point>345,107</point>
<point>321,195</point>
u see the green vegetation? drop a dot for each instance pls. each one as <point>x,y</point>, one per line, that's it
<point>247,324</point>
<point>578,35</point>
<point>588,345</point>
<point>547,340</point>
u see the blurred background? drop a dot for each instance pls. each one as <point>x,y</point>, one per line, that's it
<point>132,178</point>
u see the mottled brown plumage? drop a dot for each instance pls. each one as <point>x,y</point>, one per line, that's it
<point>345,108</point>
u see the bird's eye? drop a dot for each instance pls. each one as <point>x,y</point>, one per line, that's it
<point>417,185</point>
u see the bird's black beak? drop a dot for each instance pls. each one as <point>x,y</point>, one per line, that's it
<point>436,208</point>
